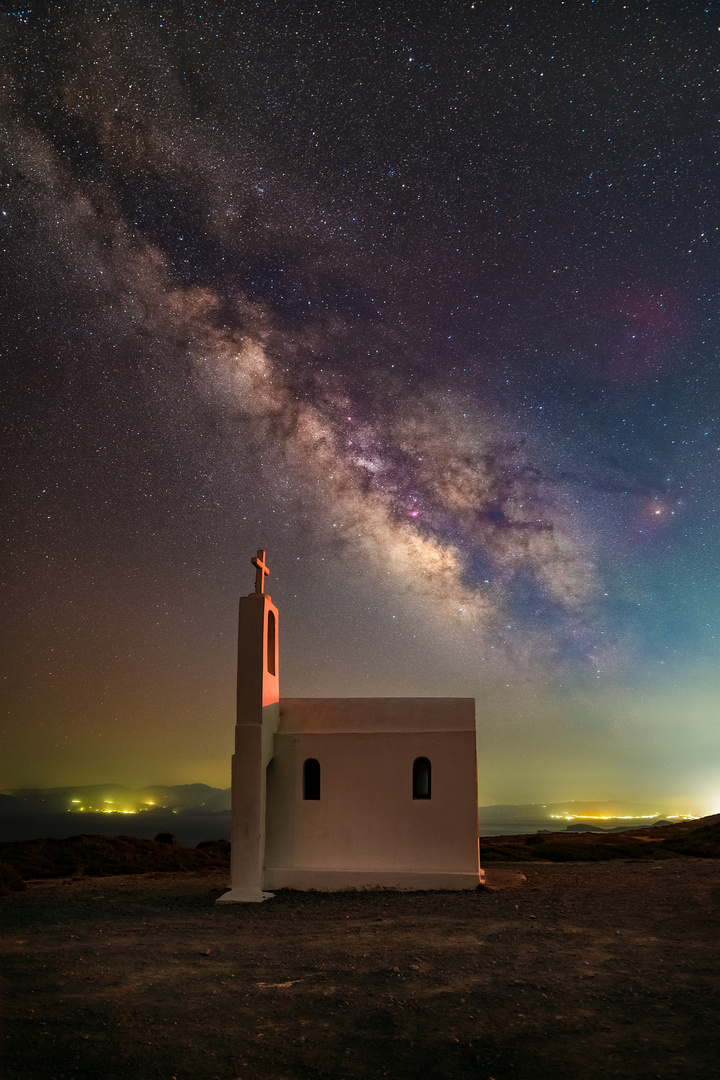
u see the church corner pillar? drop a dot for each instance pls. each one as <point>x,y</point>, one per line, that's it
<point>481,872</point>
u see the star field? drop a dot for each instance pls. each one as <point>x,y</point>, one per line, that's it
<point>420,298</point>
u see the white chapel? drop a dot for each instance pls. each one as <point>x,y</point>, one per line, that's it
<point>344,793</point>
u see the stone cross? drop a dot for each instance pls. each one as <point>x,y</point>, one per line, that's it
<point>261,570</point>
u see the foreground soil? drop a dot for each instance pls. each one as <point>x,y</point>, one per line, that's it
<point>585,970</point>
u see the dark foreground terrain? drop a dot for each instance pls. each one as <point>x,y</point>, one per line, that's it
<point>97,855</point>
<point>585,970</point>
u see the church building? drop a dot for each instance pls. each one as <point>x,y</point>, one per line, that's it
<point>344,793</point>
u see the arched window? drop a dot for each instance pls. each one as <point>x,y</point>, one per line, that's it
<point>311,779</point>
<point>422,771</point>
<point>271,642</point>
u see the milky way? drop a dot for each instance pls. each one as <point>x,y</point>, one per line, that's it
<point>431,293</point>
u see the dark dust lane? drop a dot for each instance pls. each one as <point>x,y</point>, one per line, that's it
<point>586,971</point>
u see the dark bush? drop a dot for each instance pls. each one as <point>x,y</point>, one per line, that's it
<point>703,843</point>
<point>492,852</point>
<point>166,838</point>
<point>10,880</point>
<point>98,856</point>
<point>568,852</point>
<point>216,847</point>
<point>572,847</point>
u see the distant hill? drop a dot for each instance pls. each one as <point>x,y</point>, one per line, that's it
<point>192,812</point>
<point>201,798</point>
<point>117,799</point>
<point>195,812</point>
<point>699,838</point>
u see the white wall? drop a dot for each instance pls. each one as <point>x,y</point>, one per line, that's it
<point>366,818</point>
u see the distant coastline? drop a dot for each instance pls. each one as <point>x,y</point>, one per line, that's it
<point>522,828</point>
<point>197,812</point>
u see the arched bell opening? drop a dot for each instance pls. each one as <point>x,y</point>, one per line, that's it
<point>271,639</point>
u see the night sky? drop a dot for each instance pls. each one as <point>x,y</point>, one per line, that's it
<point>420,297</point>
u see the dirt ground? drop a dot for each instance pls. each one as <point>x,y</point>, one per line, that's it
<point>589,970</point>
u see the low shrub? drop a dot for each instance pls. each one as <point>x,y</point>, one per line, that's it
<point>573,847</point>
<point>703,843</point>
<point>10,880</point>
<point>570,852</point>
<point>491,852</point>
<point>217,847</point>
<point>100,856</point>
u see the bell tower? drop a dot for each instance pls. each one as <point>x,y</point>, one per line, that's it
<point>257,683</point>
<point>258,696</point>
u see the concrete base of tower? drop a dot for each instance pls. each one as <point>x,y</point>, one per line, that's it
<point>244,896</point>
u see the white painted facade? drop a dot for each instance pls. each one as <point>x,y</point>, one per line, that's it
<point>337,793</point>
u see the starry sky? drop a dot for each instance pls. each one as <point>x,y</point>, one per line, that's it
<point>420,297</point>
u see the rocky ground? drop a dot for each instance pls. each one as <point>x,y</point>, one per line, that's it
<point>582,970</point>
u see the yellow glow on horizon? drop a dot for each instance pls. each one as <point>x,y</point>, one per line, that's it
<point>621,817</point>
